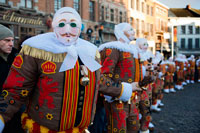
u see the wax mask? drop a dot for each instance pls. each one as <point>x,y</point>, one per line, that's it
<point>67,28</point>
<point>129,33</point>
<point>144,46</point>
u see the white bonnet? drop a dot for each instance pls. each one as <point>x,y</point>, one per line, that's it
<point>68,10</point>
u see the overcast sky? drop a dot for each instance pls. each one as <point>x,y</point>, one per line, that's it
<point>181,3</point>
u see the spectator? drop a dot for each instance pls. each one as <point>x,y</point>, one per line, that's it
<point>100,33</point>
<point>57,73</point>
<point>89,33</point>
<point>7,55</point>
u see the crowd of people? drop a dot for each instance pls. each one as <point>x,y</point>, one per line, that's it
<point>67,84</point>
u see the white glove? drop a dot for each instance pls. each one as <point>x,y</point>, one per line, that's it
<point>160,74</point>
<point>177,68</point>
<point>1,126</point>
<point>108,98</point>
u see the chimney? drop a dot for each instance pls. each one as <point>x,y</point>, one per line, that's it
<point>188,6</point>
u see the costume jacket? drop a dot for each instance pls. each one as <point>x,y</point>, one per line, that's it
<point>57,100</point>
<point>169,74</point>
<point>120,66</point>
<point>180,68</point>
<point>192,68</point>
<point>198,68</point>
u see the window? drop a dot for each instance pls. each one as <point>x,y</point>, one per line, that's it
<point>120,17</point>
<point>131,21</point>
<point>132,4</point>
<point>190,43</point>
<point>102,13</point>
<point>138,5</point>
<point>91,10</point>
<point>3,1</point>
<point>111,15</point>
<point>197,45</point>
<point>162,25</point>
<point>116,15</point>
<point>143,26</point>
<point>77,5</point>
<point>147,9</point>
<point>190,29</point>
<point>143,7</point>
<point>27,3</point>
<point>107,13</point>
<point>151,11</point>
<point>148,28</point>
<point>125,18</point>
<point>151,28</point>
<point>57,4</point>
<point>183,43</point>
<point>183,29</point>
<point>137,27</point>
<point>197,30</point>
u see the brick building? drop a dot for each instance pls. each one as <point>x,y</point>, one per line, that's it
<point>31,17</point>
<point>149,18</point>
<point>185,28</point>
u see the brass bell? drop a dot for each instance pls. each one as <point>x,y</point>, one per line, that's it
<point>84,81</point>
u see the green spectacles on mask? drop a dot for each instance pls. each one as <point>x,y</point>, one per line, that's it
<point>72,24</point>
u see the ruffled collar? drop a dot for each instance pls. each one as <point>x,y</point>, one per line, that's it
<point>121,47</point>
<point>84,49</point>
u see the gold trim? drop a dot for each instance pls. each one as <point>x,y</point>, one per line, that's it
<point>41,54</point>
<point>1,118</point>
<point>121,91</point>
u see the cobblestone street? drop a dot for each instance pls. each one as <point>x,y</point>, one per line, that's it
<point>181,113</point>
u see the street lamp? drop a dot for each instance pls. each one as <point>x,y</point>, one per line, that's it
<point>171,23</point>
<point>172,41</point>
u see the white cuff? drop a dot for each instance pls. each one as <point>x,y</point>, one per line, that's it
<point>127,91</point>
<point>1,126</point>
<point>108,98</point>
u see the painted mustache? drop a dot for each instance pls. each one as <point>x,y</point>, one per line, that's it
<point>68,34</point>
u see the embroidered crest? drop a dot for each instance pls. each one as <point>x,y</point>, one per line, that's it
<point>49,116</point>
<point>108,52</point>
<point>130,80</point>
<point>116,76</point>
<point>12,101</point>
<point>122,130</point>
<point>18,61</point>
<point>48,67</point>
<point>46,89</point>
<point>4,94</point>
<point>41,114</point>
<point>24,93</point>
<point>119,106</point>
<point>37,107</point>
<point>126,55</point>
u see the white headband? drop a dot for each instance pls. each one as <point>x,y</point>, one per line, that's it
<point>67,10</point>
<point>119,31</point>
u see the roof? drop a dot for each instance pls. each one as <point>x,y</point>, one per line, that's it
<point>184,12</point>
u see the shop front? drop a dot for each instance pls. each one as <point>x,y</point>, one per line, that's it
<point>24,24</point>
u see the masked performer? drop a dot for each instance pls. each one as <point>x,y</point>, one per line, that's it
<point>119,81</point>
<point>56,74</point>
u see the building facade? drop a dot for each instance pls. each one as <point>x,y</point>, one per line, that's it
<point>23,18</point>
<point>111,12</point>
<point>161,28</point>
<point>185,27</point>
<point>31,17</point>
<point>149,18</point>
